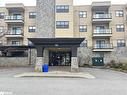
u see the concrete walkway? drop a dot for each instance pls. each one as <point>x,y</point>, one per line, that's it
<point>56,74</point>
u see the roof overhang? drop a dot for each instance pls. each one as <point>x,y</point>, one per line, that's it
<point>55,41</point>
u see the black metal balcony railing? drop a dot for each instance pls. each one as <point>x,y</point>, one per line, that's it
<point>18,17</point>
<point>103,46</point>
<point>102,16</point>
<point>102,31</point>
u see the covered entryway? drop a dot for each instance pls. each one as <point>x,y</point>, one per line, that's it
<point>45,55</point>
<point>59,57</point>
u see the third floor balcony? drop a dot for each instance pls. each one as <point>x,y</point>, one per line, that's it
<point>14,19</point>
<point>102,18</point>
<point>102,32</point>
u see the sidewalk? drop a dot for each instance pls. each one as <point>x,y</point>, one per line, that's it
<point>60,74</point>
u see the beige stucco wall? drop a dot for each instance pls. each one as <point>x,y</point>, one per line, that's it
<point>115,21</point>
<point>65,17</point>
<point>28,22</point>
<point>83,21</point>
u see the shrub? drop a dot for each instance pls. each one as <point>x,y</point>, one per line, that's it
<point>124,67</point>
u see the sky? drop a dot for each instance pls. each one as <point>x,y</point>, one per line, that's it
<point>76,2</point>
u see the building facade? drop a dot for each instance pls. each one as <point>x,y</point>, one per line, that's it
<point>100,27</point>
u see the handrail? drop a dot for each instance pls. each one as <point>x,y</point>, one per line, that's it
<point>102,31</point>
<point>103,46</point>
<point>17,17</point>
<point>102,16</point>
<point>14,32</point>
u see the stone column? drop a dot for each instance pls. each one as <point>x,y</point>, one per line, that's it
<point>39,59</point>
<point>39,63</point>
<point>46,56</point>
<point>74,60</point>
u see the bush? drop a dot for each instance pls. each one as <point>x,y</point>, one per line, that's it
<point>113,64</point>
<point>124,67</point>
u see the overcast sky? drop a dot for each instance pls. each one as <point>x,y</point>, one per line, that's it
<point>76,2</point>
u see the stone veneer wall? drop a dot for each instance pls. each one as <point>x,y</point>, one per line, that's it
<point>74,64</point>
<point>45,20</point>
<point>39,64</point>
<point>13,61</point>
<point>33,56</point>
<point>119,55</point>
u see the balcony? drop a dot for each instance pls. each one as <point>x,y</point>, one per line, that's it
<point>103,47</point>
<point>14,34</point>
<point>15,6</point>
<point>103,3</point>
<point>102,33</point>
<point>102,18</point>
<point>14,19</point>
<point>101,6</point>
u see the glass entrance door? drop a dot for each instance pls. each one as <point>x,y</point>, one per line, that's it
<point>59,58</point>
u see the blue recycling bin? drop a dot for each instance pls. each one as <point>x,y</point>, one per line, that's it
<point>45,68</point>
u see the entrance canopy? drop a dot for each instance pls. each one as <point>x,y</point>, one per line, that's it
<point>41,43</point>
<point>56,41</point>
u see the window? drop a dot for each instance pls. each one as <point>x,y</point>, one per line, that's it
<point>120,28</point>
<point>32,15</point>
<point>62,24</point>
<point>82,28</point>
<point>1,29</point>
<point>119,13</point>
<point>62,8</point>
<point>32,28</point>
<point>84,44</point>
<point>16,43</point>
<point>121,43</point>
<point>2,15</point>
<point>82,14</point>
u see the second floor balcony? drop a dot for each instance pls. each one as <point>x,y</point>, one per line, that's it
<point>102,32</point>
<point>14,33</point>
<point>102,17</point>
<point>14,19</point>
<point>103,47</point>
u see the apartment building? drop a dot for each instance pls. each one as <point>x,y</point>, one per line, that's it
<point>67,35</point>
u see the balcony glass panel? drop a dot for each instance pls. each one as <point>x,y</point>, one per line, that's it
<point>102,16</point>
<point>103,46</point>
<point>17,17</point>
<point>15,32</point>
<point>102,31</point>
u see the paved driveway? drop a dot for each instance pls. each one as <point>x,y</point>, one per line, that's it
<point>107,82</point>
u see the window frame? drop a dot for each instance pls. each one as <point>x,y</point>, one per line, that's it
<point>15,44</point>
<point>82,15</point>
<point>62,25</point>
<point>119,13</point>
<point>32,15</point>
<point>62,8</point>
<point>33,29</point>
<point>119,28</point>
<point>121,43</point>
<point>81,29</point>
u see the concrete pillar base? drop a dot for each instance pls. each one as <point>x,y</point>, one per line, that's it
<point>74,64</point>
<point>39,63</point>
